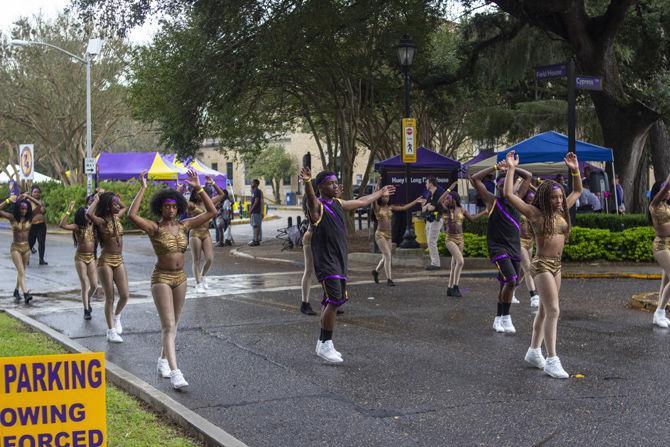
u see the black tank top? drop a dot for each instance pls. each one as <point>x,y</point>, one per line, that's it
<point>503,231</point>
<point>329,242</point>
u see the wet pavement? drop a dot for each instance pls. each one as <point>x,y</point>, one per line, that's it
<point>420,369</point>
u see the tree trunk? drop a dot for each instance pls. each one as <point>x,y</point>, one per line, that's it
<point>625,128</point>
<point>640,184</point>
<point>659,149</point>
<point>276,191</point>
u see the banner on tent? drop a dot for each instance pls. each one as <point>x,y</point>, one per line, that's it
<point>417,183</point>
<point>26,161</point>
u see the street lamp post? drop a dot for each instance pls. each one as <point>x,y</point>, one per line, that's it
<point>406,50</point>
<point>92,49</point>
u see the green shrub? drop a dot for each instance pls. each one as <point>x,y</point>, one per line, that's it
<point>57,196</point>
<point>612,222</point>
<point>476,227</point>
<point>586,244</point>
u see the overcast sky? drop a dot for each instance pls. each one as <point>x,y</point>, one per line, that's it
<point>11,10</point>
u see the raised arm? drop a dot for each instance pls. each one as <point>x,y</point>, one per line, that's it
<point>210,209</point>
<point>350,205</point>
<point>38,203</point>
<point>573,165</point>
<point>219,192</point>
<point>473,218</point>
<point>148,226</point>
<point>406,206</point>
<point>313,208</point>
<point>122,209</point>
<point>4,213</point>
<point>525,184</point>
<point>508,190</point>
<point>90,211</point>
<point>658,198</point>
<point>63,222</point>
<point>478,184</point>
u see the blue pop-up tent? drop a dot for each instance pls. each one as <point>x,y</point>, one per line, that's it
<point>552,146</point>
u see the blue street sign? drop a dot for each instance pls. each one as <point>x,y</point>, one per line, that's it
<point>551,71</point>
<point>588,83</point>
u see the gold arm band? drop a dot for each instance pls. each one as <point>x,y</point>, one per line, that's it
<point>307,180</point>
<point>575,174</point>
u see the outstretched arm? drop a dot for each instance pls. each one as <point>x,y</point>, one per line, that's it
<point>350,205</point>
<point>571,162</point>
<point>210,209</point>
<point>508,190</point>
<point>406,206</point>
<point>148,226</point>
<point>63,222</point>
<point>476,181</point>
<point>473,218</point>
<point>38,203</point>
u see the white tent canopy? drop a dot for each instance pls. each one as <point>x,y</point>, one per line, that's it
<point>37,177</point>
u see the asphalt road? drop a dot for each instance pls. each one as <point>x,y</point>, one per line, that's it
<point>420,369</point>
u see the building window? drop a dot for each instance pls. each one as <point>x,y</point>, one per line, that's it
<point>268,182</point>
<point>287,181</point>
<point>215,166</point>
<point>247,179</point>
<point>359,179</point>
<point>229,171</point>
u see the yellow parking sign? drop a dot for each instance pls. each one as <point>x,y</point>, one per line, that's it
<point>53,401</point>
<point>409,140</point>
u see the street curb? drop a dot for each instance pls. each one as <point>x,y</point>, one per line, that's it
<point>241,254</point>
<point>611,275</point>
<point>160,402</point>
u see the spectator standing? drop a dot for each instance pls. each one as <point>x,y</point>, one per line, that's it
<point>256,212</point>
<point>618,190</point>
<point>38,230</point>
<point>433,209</point>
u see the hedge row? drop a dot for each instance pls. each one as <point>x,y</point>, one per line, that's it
<point>56,198</point>
<point>586,244</point>
<point>612,222</point>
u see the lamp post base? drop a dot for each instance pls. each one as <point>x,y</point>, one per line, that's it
<point>409,239</point>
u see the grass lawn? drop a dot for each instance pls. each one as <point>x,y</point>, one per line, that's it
<point>129,422</point>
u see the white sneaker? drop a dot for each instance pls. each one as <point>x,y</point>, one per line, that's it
<point>535,301</point>
<point>117,324</point>
<point>506,323</point>
<point>318,345</point>
<point>204,283</point>
<point>535,358</point>
<point>515,300</point>
<point>554,369</point>
<point>113,336</point>
<point>177,380</point>
<point>497,326</point>
<point>199,288</point>
<point>163,368</point>
<point>328,353</point>
<point>660,319</point>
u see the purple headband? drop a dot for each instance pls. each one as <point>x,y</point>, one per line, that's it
<point>169,202</point>
<point>327,179</point>
<point>116,199</point>
<point>23,205</point>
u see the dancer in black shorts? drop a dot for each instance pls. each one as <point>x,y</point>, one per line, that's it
<point>329,248</point>
<point>503,240</point>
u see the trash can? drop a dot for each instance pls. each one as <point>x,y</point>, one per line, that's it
<point>290,198</point>
<point>419,230</point>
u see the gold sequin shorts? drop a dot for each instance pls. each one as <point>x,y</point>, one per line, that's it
<point>110,260</point>
<point>200,234</point>
<point>456,238</point>
<point>541,264</point>
<point>20,247</point>
<point>173,278</point>
<point>661,243</point>
<point>86,258</point>
<point>382,235</point>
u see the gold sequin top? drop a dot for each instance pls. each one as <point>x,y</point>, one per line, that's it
<point>454,216</point>
<point>195,211</point>
<point>384,213</point>
<point>112,228</point>
<point>21,226</point>
<point>166,243</point>
<point>660,214</point>
<point>560,226</point>
<point>84,234</point>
